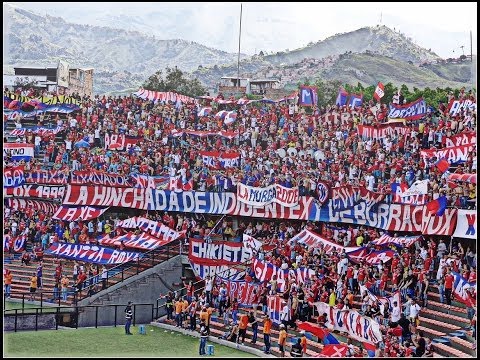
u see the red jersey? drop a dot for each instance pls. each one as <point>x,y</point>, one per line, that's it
<point>449,281</point>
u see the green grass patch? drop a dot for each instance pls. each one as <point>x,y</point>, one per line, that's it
<point>108,342</point>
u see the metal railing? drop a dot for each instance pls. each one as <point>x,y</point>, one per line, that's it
<point>121,273</point>
<point>75,310</point>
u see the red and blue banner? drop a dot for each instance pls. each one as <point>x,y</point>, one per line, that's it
<point>18,151</point>
<point>355,100</point>
<point>242,291</point>
<point>454,155</point>
<point>466,224</point>
<point>411,111</point>
<point>220,160</point>
<point>341,97</point>
<point>275,304</point>
<point>94,177</point>
<point>307,96</point>
<point>381,131</point>
<point>260,197</point>
<point>74,213</point>
<point>46,177</point>
<point>154,228</point>
<point>22,204</point>
<point>142,241</point>
<point>403,241</point>
<point>13,177</point>
<point>37,191</point>
<point>464,138</point>
<point>152,182</point>
<point>94,254</point>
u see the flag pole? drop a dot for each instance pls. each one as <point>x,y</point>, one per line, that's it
<point>239,37</point>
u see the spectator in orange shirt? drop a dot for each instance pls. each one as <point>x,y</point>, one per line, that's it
<point>242,328</point>
<point>267,328</point>
<point>303,342</point>
<point>282,340</point>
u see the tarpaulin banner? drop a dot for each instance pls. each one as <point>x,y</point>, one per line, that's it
<point>454,154</point>
<point>404,241</point>
<point>250,245</point>
<point>18,151</point>
<point>381,131</point>
<point>440,225</point>
<point>142,241</point>
<point>471,178</point>
<point>157,96</point>
<point>456,106</point>
<point>223,133</point>
<point>47,177</point>
<point>22,204</point>
<point>93,177</point>
<point>13,177</point>
<point>383,301</point>
<point>121,141</point>
<point>463,138</point>
<point>275,304</point>
<point>47,99</point>
<point>38,191</point>
<point>220,160</point>
<point>217,253</point>
<point>256,196</point>
<point>40,130</point>
<point>411,111</point>
<point>315,241</point>
<point>225,271</point>
<point>346,197</point>
<point>389,217</point>
<point>460,290</point>
<point>74,213</point>
<point>152,182</point>
<point>154,228</point>
<point>466,224</point>
<point>242,291</point>
<point>94,254</point>
<point>264,272</point>
<point>17,243</point>
<point>360,327</point>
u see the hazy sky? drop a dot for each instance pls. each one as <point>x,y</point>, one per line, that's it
<point>443,27</point>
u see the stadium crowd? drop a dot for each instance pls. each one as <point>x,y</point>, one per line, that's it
<point>322,144</point>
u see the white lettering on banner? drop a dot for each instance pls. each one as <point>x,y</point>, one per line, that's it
<point>360,327</point>
<point>464,138</point>
<point>13,177</point>
<point>411,111</point>
<point>217,253</point>
<point>439,225</point>
<point>458,105</point>
<point>405,218</point>
<point>452,154</point>
<point>372,132</point>
<point>224,271</point>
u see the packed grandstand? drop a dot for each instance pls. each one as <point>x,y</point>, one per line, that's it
<point>352,227</point>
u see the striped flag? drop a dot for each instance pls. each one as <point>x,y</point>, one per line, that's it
<point>442,164</point>
<point>230,117</point>
<point>275,304</point>
<point>204,111</point>
<point>379,93</point>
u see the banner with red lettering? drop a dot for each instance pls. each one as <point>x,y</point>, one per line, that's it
<point>94,254</point>
<point>13,177</point>
<point>142,241</point>
<point>165,96</point>
<point>94,177</point>
<point>260,197</point>
<point>121,141</point>
<point>74,213</point>
<point>381,131</point>
<point>226,272</point>
<point>22,204</point>
<point>218,253</point>
<point>359,327</point>
<point>440,225</point>
<point>454,154</point>
<point>37,191</point>
<point>152,182</point>
<point>275,304</point>
<point>404,241</point>
<point>466,224</point>
<point>47,177</point>
<point>154,228</point>
<point>17,243</point>
<point>220,160</point>
<point>463,138</point>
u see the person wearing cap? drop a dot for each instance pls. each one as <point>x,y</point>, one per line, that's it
<point>203,338</point>
<point>282,340</point>
<point>128,318</point>
<point>267,328</point>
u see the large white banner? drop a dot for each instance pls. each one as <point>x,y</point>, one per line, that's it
<point>360,327</point>
<point>313,240</point>
<point>466,224</point>
<point>260,197</point>
<point>152,227</point>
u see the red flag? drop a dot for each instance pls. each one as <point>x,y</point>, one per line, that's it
<point>442,165</point>
<point>336,350</point>
<point>379,91</point>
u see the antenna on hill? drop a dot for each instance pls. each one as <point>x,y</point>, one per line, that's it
<point>381,15</point>
<point>463,52</point>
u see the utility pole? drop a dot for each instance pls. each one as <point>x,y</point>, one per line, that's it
<point>239,37</point>
<point>463,52</point>
<point>471,47</point>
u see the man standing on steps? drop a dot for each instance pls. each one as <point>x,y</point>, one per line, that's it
<point>242,328</point>
<point>253,321</point>
<point>128,318</point>
<point>267,328</point>
<point>282,340</point>
<point>449,278</point>
<point>203,338</point>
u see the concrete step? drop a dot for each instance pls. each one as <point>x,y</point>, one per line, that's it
<point>449,351</point>
<point>438,325</point>
<point>445,316</point>
<point>462,345</point>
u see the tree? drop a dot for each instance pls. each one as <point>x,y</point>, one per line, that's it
<point>174,80</point>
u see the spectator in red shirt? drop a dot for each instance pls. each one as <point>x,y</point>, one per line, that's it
<point>449,278</point>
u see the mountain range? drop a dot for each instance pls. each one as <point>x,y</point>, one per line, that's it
<point>123,59</point>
